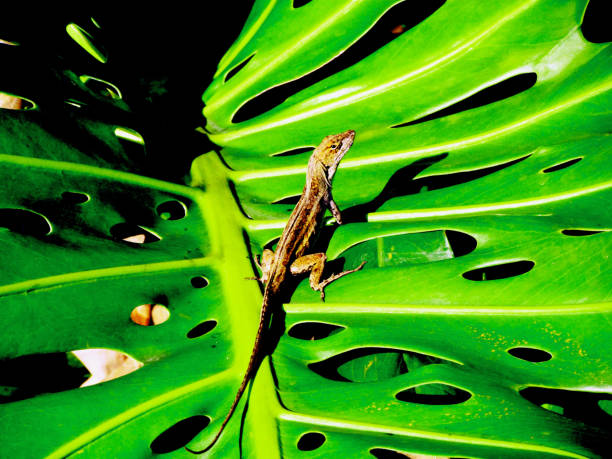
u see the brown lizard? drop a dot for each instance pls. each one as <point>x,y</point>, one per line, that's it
<point>291,255</point>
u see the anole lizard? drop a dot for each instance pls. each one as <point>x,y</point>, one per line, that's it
<point>291,255</point>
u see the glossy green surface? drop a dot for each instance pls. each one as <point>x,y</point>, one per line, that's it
<point>410,355</point>
<point>432,206</point>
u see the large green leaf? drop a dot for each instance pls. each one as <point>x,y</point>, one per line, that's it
<point>479,327</point>
<point>476,190</point>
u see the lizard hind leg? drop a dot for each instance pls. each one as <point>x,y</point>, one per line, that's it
<point>315,263</point>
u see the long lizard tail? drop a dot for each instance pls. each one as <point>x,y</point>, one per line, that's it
<point>253,361</point>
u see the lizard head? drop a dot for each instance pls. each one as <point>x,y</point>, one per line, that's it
<point>332,149</point>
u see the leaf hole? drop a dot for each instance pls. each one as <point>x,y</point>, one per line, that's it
<point>499,91</point>
<point>461,243</point>
<point>578,405</point>
<point>530,354</point>
<point>501,271</point>
<point>404,183</point>
<point>560,166</point>
<point>312,331</point>
<point>172,210</point>
<point>292,200</point>
<point>272,244</point>
<point>311,441</point>
<point>179,435</point>
<point>409,249</point>
<point>370,364</point>
<point>408,12</point>
<point>150,314</point>
<point>12,102</point>
<point>581,232</point>
<point>74,197</point>
<point>101,87</point>
<point>201,329</point>
<point>439,181</point>
<point>199,282</point>
<point>24,222</point>
<point>106,364</point>
<point>384,453</point>
<point>300,3</point>
<point>596,22</point>
<point>30,375</point>
<point>434,394</point>
<point>133,234</point>
<point>295,151</point>
<point>237,69</point>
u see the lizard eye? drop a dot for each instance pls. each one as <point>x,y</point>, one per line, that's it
<point>334,146</point>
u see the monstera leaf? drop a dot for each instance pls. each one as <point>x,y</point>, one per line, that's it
<point>476,191</point>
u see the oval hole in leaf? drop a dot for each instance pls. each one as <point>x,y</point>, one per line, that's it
<point>530,354</point>
<point>179,435</point>
<point>399,250</point>
<point>201,329</point>
<point>134,234</point>
<point>461,243</point>
<point>596,22</point>
<point>150,314</point>
<point>295,151</point>
<point>434,394</point>
<point>311,441</point>
<point>408,13</point>
<point>371,364</point>
<point>73,197</point>
<point>30,375</point>
<point>384,453</point>
<point>237,69</point>
<point>311,331</point>
<point>24,222</point>
<point>563,165</point>
<point>100,87</point>
<point>403,183</point>
<point>199,282</point>
<point>172,210</point>
<point>494,93</point>
<point>502,271</point>
<point>11,102</point>
<point>581,232</point>
<point>300,3</point>
<point>293,200</point>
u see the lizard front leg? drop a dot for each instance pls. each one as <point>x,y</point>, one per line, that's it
<point>267,257</point>
<point>334,209</point>
<point>315,262</point>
